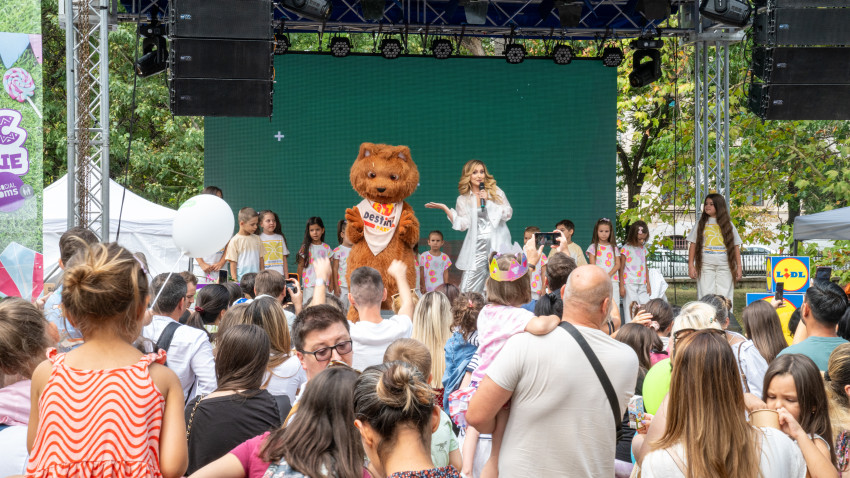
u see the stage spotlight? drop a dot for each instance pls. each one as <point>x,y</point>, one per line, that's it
<point>340,47</point>
<point>612,56</point>
<point>318,10</point>
<point>441,48</point>
<point>514,53</point>
<point>281,44</point>
<point>154,58</point>
<point>569,13</point>
<point>730,12</point>
<point>645,72</point>
<point>390,48</point>
<point>562,54</point>
<point>475,11</point>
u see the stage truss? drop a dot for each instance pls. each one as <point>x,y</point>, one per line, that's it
<point>605,20</point>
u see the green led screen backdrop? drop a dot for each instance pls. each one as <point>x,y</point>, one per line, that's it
<point>546,132</point>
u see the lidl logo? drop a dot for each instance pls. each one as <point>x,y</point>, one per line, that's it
<point>792,272</point>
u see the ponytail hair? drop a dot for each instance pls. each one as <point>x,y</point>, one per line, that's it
<point>391,396</point>
<point>209,302</point>
<point>465,313</point>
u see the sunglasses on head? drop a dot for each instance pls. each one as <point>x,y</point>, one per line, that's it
<point>325,353</point>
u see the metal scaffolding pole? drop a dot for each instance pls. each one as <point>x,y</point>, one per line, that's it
<point>87,81</point>
<point>711,115</point>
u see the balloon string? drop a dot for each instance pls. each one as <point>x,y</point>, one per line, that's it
<point>34,108</point>
<point>170,272</point>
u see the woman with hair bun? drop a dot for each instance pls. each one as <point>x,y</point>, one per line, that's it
<point>210,304</point>
<point>395,413</point>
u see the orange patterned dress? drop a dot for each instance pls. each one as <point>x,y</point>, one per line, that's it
<point>98,423</point>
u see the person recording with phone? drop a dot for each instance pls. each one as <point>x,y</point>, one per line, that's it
<point>483,210</point>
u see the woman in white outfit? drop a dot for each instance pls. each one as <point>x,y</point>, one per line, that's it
<point>483,210</point>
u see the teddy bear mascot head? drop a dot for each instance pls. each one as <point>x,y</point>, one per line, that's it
<point>382,226</point>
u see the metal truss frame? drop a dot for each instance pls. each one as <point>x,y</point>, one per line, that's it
<point>87,83</point>
<point>711,111</point>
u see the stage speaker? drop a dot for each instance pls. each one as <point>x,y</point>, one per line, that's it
<point>730,12</point>
<point>781,66</point>
<point>800,102</point>
<point>218,97</point>
<point>243,19</point>
<point>216,58</point>
<point>802,27</point>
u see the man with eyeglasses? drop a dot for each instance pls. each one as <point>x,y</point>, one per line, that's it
<point>320,335</point>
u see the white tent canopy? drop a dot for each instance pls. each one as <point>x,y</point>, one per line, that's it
<point>145,226</point>
<point>833,225</point>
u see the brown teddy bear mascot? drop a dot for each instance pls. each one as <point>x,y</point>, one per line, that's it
<point>382,227</point>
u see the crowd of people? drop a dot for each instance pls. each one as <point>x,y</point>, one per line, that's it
<point>526,369</point>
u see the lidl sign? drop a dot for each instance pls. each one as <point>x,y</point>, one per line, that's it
<point>792,271</point>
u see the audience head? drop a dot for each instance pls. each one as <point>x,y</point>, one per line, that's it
<point>761,324</point>
<point>74,240</point>
<point>234,315</point>
<point>171,295</point>
<point>388,398</point>
<point>107,288</point>
<point>330,300</point>
<point>267,313</point>
<point>449,290</point>
<point>432,325</point>
<point>396,301</point>
<point>693,316</point>
<point>269,282</point>
<point>640,339</point>
<point>588,291</point>
<point>508,292</point>
<point>662,313</point>
<point>191,285</point>
<point>23,338</point>
<point>825,301</point>
<point>241,357</point>
<point>793,382</point>
<point>320,334</point>
<point>246,283</point>
<point>721,305</point>
<point>558,270</point>
<point>838,377</point>
<point>366,287</point>
<point>234,290</point>
<point>410,351</point>
<point>794,321</point>
<point>214,190</point>
<point>211,303</point>
<point>320,436</point>
<point>710,426</point>
<point>465,311</point>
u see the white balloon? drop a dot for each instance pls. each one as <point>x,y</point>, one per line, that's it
<point>203,225</point>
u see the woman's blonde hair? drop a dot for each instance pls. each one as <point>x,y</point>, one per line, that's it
<point>464,188</point>
<point>268,314</point>
<point>695,315</point>
<point>712,428</point>
<point>837,377</point>
<point>432,325</point>
<point>105,288</point>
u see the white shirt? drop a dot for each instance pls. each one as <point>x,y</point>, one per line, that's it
<point>189,356</point>
<point>780,458</point>
<point>371,340</point>
<point>560,423</point>
<point>465,217</point>
<point>13,442</point>
<point>753,365</point>
<point>286,378</point>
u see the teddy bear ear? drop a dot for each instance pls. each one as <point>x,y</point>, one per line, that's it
<point>366,150</point>
<point>404,154</point>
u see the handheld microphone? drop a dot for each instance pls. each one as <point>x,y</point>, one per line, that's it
<point>481,188</point>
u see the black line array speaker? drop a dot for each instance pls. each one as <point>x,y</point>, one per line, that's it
<point>221,57</point>
<point>802,26</point>
<point>802,59</point>
<point>806,66</point>
<point>800,102</point>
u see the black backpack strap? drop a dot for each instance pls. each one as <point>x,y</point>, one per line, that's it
<point>600,373</point>
<point>283,406</point>
<point>164,340</point>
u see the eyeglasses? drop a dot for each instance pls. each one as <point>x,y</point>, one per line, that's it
<point>324,354</point>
